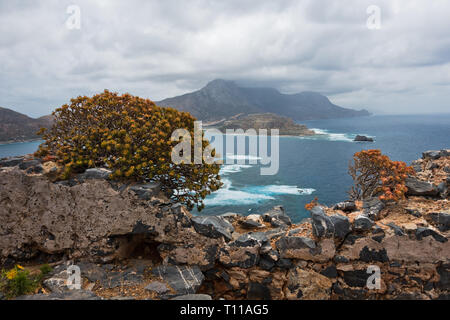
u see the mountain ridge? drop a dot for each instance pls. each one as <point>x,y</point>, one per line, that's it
<point>221,99</point>
<point>15,126</point>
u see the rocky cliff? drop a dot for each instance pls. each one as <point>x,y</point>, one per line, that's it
<point>133,243</point>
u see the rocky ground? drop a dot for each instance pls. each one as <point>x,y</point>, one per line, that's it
<point>131,242</point>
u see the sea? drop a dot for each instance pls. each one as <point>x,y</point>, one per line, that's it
<point>315,166</point>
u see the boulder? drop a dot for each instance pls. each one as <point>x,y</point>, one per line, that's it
<point>252,221</point>
<point>346,206</point>
<point>182,279</point>
<point>243,253</point>
<point>11,162</point>
<point>90,219</point>
<point>362,223</point>
<point>372,208</point>
<point>146,191</point>
<point>213,227</point>
<point>341,225</point>
<point>277,217</point>
<point>432,154</point>
<point>420,188</point>
<point>442,220</point>
<point>304,248</point>
<point>307,285</point>
<point>321,223</point>
<point>425,232</point>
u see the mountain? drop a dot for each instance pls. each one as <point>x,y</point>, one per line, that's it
<point>15,126</point>
<point>286,126</point>
<point>221,99</point>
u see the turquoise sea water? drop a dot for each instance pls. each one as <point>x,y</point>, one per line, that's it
<point>313,166</point>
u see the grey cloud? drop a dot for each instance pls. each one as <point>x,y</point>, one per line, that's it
<point>158,49</point>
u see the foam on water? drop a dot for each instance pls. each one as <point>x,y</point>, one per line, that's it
<point>242,157</point>
<point>228,195</point>
<point>233,168</point>
<point>322,134</point>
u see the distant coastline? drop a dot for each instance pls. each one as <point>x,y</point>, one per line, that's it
<point>19,141</point>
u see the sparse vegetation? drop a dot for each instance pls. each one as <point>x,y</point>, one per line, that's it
<point>374,174</point>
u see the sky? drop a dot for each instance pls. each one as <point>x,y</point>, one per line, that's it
<point>394,62</point>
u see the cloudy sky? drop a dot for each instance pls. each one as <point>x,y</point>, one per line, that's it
<point>158,49</point>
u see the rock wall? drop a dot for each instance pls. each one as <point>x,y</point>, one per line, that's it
<point>328,256</point>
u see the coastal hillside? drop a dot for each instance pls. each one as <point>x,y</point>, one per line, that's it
<point>221,99</point>
<point>257,121</point>
<point>15,126</point>
<point>141,245</point>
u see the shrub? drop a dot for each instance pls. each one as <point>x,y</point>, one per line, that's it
<point>374,174</point>
<point>132,137</point>
<point>309,206</point>
<point>17,282</point>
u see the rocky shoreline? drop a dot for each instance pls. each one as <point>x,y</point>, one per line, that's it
<point>131,242</point>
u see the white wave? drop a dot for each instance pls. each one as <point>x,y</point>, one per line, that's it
<point>228,195</point>
<point>233,168</point>
<point>283,189</point>
<point>323,134</point>
<point>242,157</point>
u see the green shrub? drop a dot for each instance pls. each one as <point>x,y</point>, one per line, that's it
<point>132,137</point>
<point>17,282</point>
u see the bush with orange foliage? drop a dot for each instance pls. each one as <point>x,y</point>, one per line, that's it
<point>312,204</point>
<point>374,174</point>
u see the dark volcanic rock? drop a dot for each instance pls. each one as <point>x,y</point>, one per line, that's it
<point>213,226</point>
<point>432,154</point>
<point>425,232</point>
<point>414,212</point>
<point>321,223</point>
<point>341,225</point>
<point>258,291</point>
<point>346,206</point>
<point>362,223</point>
<point>277,217</point>
<point>11,162</point>
<point>420,188</point>
<point>183,279</point>
<point>442,220</point>
<point>356,278</point>
<point>397,230</point>
<point>372,208</point>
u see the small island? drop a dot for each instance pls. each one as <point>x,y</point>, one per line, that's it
<point>285,125</point>
<point>360,138</point>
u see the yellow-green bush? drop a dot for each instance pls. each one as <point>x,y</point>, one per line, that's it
<point>16,282</point>
<point>132,137</point>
